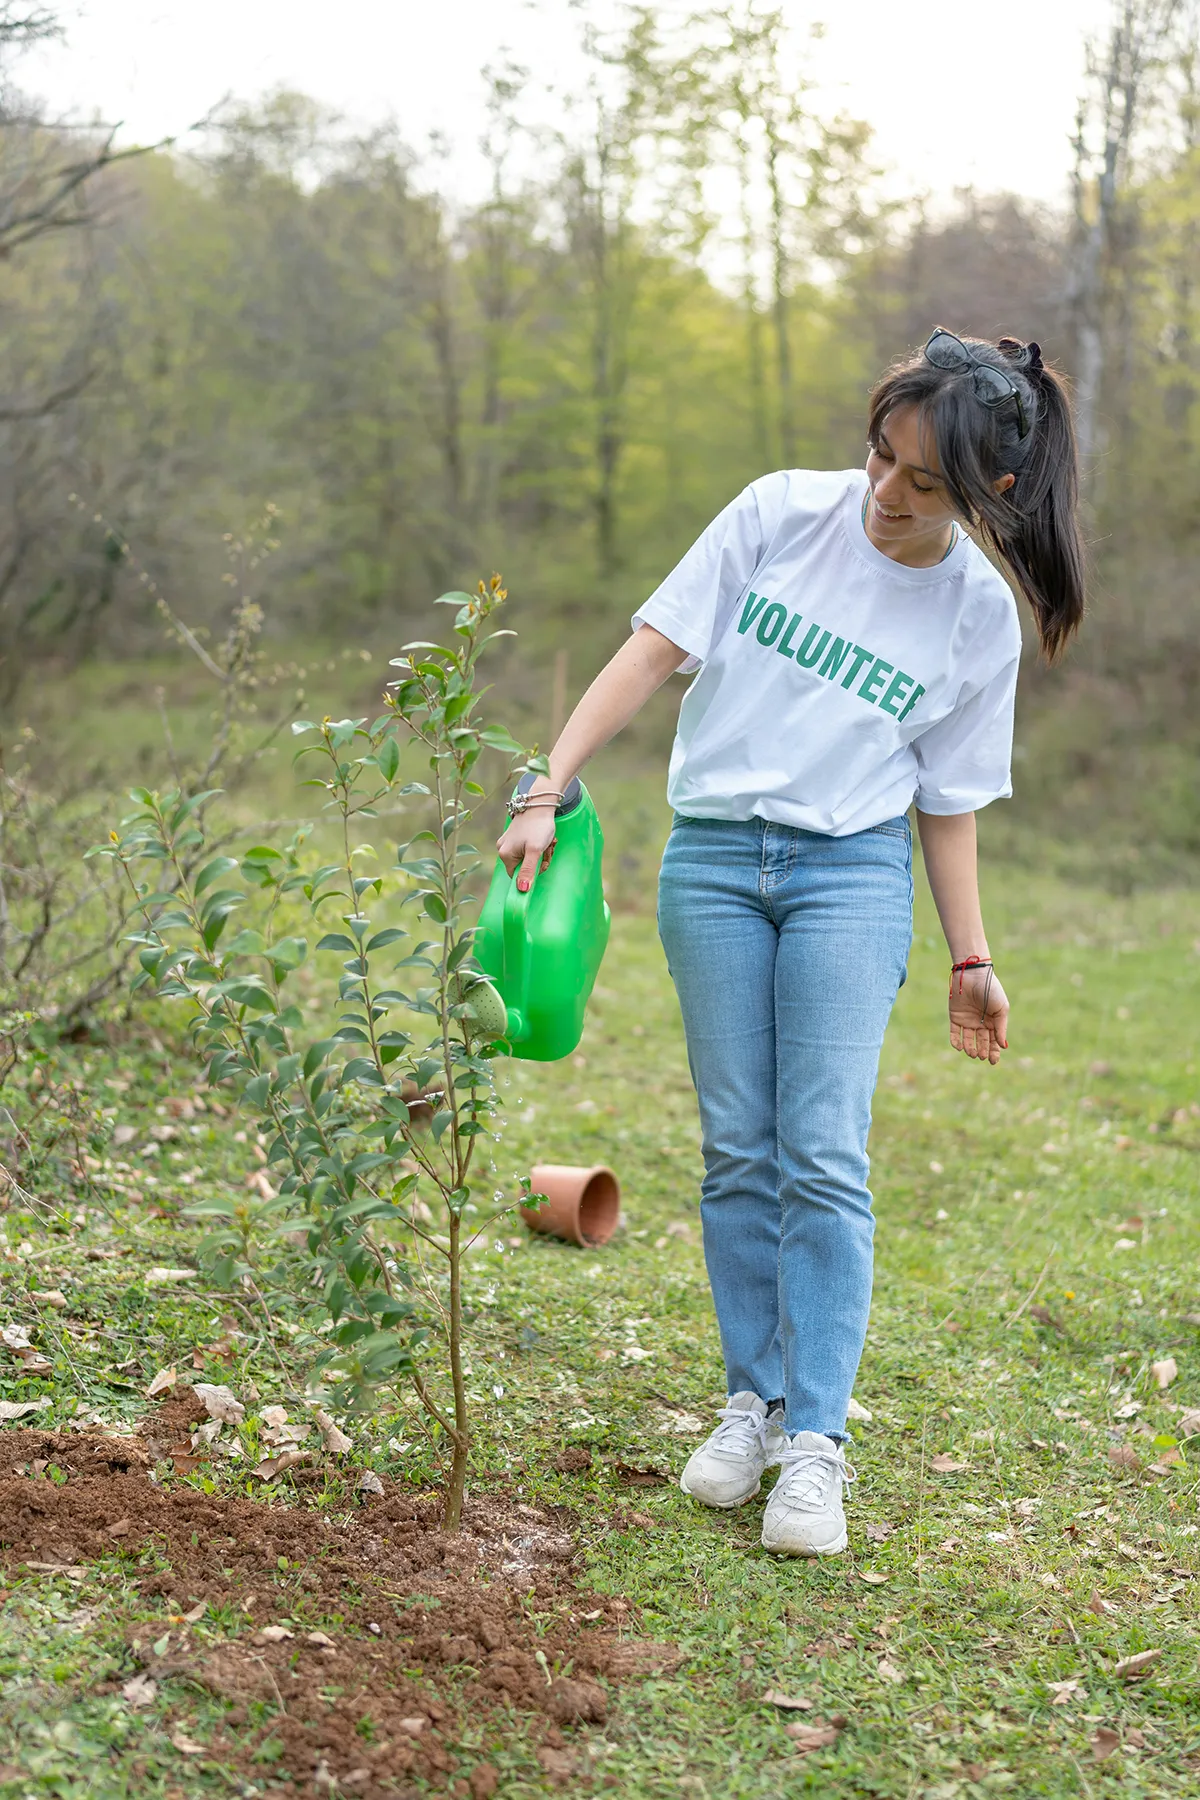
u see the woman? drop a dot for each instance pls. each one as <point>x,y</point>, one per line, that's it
<point>856,651</point>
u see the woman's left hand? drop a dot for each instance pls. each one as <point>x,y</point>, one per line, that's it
<point>978,1014</point>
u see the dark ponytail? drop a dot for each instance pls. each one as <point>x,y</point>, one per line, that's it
<point>1033,527</point>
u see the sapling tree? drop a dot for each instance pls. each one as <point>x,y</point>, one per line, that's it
<point>376,1190</point>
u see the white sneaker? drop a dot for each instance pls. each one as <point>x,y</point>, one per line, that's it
<point>805,1515</point>
<point>727,1469</point>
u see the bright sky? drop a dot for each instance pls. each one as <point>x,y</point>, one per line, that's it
<point>964,94</point>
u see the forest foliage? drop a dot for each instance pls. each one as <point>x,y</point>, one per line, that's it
<point>693,278</point>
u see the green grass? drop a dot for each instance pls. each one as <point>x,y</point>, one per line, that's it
<point>1066,1180</point>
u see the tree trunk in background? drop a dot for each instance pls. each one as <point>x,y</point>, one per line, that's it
<point>449,408</point>
<point>780,288</point>
<point>1116,96</point>
<point>495,283</point>
<point>760,435</point>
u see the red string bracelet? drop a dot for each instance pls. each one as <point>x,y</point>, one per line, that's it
<point>974,962</point>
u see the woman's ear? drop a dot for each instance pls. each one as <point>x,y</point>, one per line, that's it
<point>1005,482</point>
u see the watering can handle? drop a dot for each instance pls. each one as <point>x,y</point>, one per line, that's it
<point>516,958</point>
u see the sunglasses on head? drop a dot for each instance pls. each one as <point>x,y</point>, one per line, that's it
<point>992,386</point>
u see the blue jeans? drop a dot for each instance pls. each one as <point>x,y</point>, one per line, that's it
<point>787,949</point>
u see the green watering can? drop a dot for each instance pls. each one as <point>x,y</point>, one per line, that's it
<point>542,950</point>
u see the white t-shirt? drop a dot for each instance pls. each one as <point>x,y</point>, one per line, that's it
<point>835,685</point>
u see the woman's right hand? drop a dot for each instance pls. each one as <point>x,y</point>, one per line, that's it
<point>528,844</point>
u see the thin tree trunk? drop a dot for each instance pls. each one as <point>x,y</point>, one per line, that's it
<point>760,437</point>
<point>456,1489</point>
<point>779,301</point>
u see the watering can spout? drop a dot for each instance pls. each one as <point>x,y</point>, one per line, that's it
<point>518,1028</point>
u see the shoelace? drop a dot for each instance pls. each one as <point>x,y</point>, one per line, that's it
<point>807,1486</point>
<point>740,1431</point>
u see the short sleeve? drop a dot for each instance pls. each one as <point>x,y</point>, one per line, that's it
<point>965,759</point>
<point>692,605</point>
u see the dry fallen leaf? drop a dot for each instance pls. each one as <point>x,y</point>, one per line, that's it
<point>50,1297</point>
<point>319,1639</point>
<point>163,1277</point>
<point>220,1403</point>
<point>273,1634</point>
<point>879,1534</point>
<point>140,1691</point>
<point>187,1746</point>
<point>369,1483</point>
<point>273,1417</point>
<point>1164,1372</point>
<point>333,1439</point>
<point>806,1738</point>
<point>1098,1605</point>
<point>1104,1740</point>
<point>1124,1456</point>
<point>857,1411</point>
<point>1130,1668</point>
<point>889,1671</point>
<point>195,1613</point>
<point>1063,1691</point>
<point>186,1465</point>
<point>20,1409</point>
<point>166,1378</point>
<point>286,1434</point>
<point>15,1337</point>
<point>276,1465</point>
<point>33,1362</point>
<point>944,1464</point>
<point>787,1702</point>
<point>872,1576</point>
<point>122,1528</point>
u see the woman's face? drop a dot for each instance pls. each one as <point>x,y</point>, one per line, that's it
<point>908,501</point>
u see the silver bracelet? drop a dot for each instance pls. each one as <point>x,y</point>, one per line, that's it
<point>522,802</point>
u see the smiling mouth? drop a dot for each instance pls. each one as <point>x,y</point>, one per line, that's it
<point>885,514</point>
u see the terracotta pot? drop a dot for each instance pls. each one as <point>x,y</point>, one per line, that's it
<point>584,1204</point>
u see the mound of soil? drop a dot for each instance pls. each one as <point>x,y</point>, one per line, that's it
<point>369,1632</point>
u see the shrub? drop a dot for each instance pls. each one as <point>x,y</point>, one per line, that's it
<point>356,1157</point>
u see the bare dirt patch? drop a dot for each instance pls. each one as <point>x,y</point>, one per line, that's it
<point>366,1635</point>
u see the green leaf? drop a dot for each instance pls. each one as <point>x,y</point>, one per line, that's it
<point>392,935</point>
<point>434,908</point>
<point>248,993</point>
<point>288,953</point>
<point>246,943</point>
<point>455,598</point>
<point>212,871</point>
<point>389,759</point>
<point>337,940</point>
<point>496,738</point>
<point>316,1054</point>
